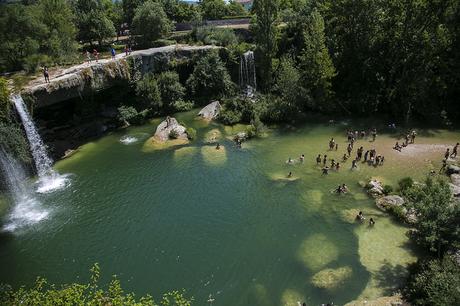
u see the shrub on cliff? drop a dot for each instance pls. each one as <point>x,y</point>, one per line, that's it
<point>171,90</point>
<point>148,93</point>
<point>210,79</point>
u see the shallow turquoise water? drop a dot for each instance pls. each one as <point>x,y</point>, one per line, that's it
<point>224,223</point>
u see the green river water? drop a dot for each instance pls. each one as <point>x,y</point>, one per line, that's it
<point>226,223</point>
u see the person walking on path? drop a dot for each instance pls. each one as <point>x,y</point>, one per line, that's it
<point>112,51</point>
<point>46,74</point>
<point>96,55</point>
<point>88,57</point>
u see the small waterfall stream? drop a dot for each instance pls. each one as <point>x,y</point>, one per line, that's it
<point>248,81</point>
<point>49,180</point>
<point>26,209</point>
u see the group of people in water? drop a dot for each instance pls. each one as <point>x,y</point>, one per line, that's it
<point>360,217</point>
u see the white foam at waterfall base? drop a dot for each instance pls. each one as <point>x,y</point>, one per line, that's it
<point>26,212</point>
<point>128,140</point>
<point>26,209</point>
<point>52,182</point>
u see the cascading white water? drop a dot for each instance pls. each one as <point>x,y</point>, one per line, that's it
<point>49,180</point>
<point>26,209</point>
<point>248,81</point>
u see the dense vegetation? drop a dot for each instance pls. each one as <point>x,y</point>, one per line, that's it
<point>435,278</point>
<point>43,293</point>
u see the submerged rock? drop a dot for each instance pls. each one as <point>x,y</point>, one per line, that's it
<point>210,111</point>
<point>455,179</point>
<point>331,278</point>
<point>167,128</point>
<point>387,202</point>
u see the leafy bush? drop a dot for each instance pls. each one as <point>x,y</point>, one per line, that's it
<point>434,282</point>
<point>387,189</point>
<point>148,92</point>
<point>43,293</point>
<point>214,36</point>
<point>173,134</point>
<point>405,184</point>
<point>230,116</point>
<point>210,79</point>
<point>171,90</point>
<point>191,133</point>
<point>397,211</point>
<point>34,62</point>
<point>163,43</point>
<point>183,106</point>
<point>127,114</point>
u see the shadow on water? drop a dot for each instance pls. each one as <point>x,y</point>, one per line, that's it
<point>390,276</point>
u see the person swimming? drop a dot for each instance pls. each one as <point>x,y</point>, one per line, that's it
<point>371,221</point>
<point>289,175</point>
<point>337,167</point>
<point>218,146</point>
<point>344,188</point>
<point>345,157</point>
<point>325,170</point>
<point>360,216</point>
<point>290,161</point>
<point>302,158</point>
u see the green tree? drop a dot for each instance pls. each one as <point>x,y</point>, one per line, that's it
<point>129,10</point>
<point>316,64</point>
<point>148,92</point>
<point>5,104</point>
<point>438,218</point>
<point>114,10</point>
<point>289,85</point>
<point>20,36</point>
<point>210,78</point>
<point>265,29</point>
<point>57,16</point>
<point>171,90</point>
<point>150,22</point>
<point>93,21</point>
<point>235,9</point>
<point>434,282</point>
<point>213,9</point>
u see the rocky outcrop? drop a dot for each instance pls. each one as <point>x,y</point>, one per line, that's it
<point>390,201</point>
<point>168,129</point>
<point>452,169</point>
<point>87,78</point>
<point>375,188</point>
<point>210,111</point>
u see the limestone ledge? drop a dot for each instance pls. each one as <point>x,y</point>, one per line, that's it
<point>84,79</point>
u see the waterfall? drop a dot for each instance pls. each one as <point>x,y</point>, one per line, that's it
<point>49,180</point>
<point>248,74</point>
<point>26,209</point>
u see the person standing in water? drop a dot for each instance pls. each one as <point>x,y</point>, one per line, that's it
<point>318,159</point>
<point>324,160</point>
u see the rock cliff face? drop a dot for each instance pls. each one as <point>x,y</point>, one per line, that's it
<point>86,78</point>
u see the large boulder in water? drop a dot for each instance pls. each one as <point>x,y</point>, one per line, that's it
<point>210,111</point>
<point>387,202</point>
<point>167,128</point>
<point>375,188</point>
